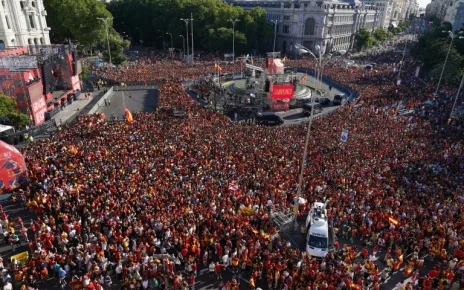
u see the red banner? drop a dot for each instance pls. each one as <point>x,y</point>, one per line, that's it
<point>282,92</point>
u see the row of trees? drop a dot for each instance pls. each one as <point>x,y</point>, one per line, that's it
<point>432,49</point>
<point>365,39</point>
<point>77,20</point>
<point>149,21</point>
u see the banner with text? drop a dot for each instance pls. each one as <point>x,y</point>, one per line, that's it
<point>281,92</point>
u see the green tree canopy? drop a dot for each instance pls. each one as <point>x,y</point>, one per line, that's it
<point>78,20</point>
<point>150,20</point>
<point>363,38</point>
<point>380,34</point>
<point>10,115</point>
<point>432,48</point>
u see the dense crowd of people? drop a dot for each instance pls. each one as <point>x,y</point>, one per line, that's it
<point>147,205</point>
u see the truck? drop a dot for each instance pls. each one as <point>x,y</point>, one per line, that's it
<point>320,236</point>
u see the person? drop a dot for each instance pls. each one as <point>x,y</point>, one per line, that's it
<point>212,269</point>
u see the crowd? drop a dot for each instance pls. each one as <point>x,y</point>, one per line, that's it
<point>147,205</point>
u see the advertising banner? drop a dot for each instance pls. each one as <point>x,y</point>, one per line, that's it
<point>39,106</point>
<point>281,92</point>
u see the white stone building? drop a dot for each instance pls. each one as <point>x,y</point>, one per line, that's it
<point>455,14</point>
<point>330,24</point>
<point>22,22</point>
<point>385,9</point>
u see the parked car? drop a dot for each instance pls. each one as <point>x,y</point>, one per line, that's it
<point>322,100</point>
<point>339,99</point>
<point>268,119</point>
<point>309,106</point>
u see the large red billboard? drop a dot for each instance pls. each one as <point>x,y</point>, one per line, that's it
<point>281,92</point>
<point>39,106</point>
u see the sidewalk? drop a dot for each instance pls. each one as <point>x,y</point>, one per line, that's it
<point>71,110</point>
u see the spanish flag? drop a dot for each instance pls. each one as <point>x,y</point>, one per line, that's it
<point>283,60</point>
<point>73,149</point>
<point>303,79</point>
<point>216,66</point>
<point>129,118</point>
<point>219,68</point>
<point>393,221</point>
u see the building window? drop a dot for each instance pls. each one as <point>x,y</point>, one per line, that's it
<point>29,41</point>
<point>36,41</point>
<point>286,29</point>
<point>7,22</point>
<point>31,21</point>
<point>21,3</point>
<point>42,40</point>
<point>286,17</point>
<point>33,4</point>
<point>309,26</point>
<point>3,4</point>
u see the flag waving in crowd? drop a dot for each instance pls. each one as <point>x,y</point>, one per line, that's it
<point>129,118</point>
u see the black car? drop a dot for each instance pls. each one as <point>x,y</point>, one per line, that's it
<point>322,100</point>
<point>269,119</point>
<point>339,100</point>
<point>309,106</point>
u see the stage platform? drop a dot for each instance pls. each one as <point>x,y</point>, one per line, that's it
<point>238,87</point>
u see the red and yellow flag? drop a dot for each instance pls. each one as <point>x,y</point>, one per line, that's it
<point>219,68</point>
<point>216,66</point>
<point>129,118</point>
<point>393,221</point>
<point>73,149</point>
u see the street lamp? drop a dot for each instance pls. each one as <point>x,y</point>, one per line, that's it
<point>457,96</point>
<point>105,20</point>
<point>193,54</point>
<point>171,38</point>
<point>183,44</point>
<point>398,82</point>
<point>275,32</point>
<point>452,35</point>
<point>186,35</point>
<point>233,37</point>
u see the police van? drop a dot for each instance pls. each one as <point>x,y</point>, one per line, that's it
<point>320,236</point>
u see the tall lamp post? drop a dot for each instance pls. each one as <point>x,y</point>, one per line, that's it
<point>457,96</point>
<point>275,32</point>
<point>452,35</point>
<point>171,38</point>
<point>186,35</point>
<point>105,20</point>
<point>183,44</point>
<point>193,54</point>
<point>233,37</point>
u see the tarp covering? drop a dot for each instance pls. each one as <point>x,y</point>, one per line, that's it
<point>12,167</point>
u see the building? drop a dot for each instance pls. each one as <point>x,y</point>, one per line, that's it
<point>23,23</point>
<point>438,8</point>
<point>332,25</point>
<point>385,8</point>
<point>455,14</point>
<point>40,78</point>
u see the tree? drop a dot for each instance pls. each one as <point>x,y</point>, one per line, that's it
<point>380,34</point>
<point>149,20</point>
<point>363,38</point>
<point>9,113</point>
<point>78,20</point>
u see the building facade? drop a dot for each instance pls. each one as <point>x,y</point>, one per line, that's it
<point>330,25</point>
<point>384,8</point>
<point>438,8</point>
<point>22,22</point>
<point>455,14</point>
